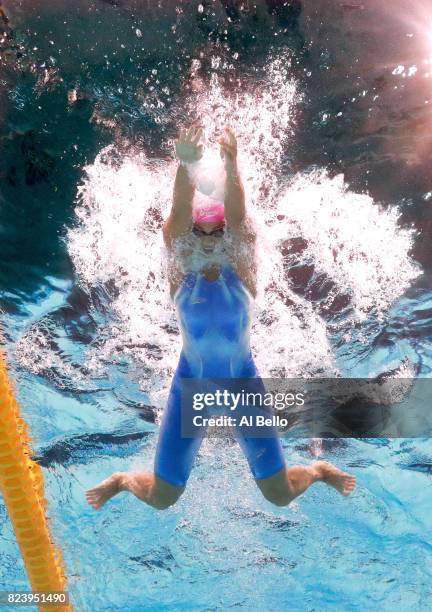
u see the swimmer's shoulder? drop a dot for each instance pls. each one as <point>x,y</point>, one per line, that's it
<point>175,240</point>
<point>243,231</point>
<point>244,258</point>
<point>178,250</point>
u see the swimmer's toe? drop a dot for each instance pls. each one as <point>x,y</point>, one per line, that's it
<point>336,478</point>
<point>101,493</point>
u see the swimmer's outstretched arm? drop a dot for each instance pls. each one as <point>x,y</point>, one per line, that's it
<point>235,206</point>
<point>188,150</point>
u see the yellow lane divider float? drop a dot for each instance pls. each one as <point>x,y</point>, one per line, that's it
<point>22,488</point>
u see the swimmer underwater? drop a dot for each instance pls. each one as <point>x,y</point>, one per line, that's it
<point>213,306</point>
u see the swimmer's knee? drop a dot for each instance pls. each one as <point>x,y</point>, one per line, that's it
<point>275,488</point>
<point>164,503</point>
<point>165,494</point>
<point>277,497</point>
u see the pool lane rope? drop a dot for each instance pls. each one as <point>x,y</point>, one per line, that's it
<point>22,488</point>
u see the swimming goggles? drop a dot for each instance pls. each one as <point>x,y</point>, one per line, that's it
<point>218,232</point>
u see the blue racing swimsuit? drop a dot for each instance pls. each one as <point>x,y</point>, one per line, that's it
<point>215,323</point>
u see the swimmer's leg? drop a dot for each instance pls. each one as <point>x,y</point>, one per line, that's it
<point>290,482</point>
<point>144,485</point>
<point>281,484</point>
<point>173,463</point>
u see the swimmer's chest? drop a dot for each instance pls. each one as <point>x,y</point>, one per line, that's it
<point>222,305</point>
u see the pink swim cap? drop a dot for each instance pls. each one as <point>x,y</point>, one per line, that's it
<point>209,212</point>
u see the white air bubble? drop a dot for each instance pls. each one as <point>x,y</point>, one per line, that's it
<point>345,237</point>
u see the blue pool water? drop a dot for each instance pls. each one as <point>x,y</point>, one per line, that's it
<point>332,114</point>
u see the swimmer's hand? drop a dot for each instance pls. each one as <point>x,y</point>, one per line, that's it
<point>187,147</point>
<point>228,147</point>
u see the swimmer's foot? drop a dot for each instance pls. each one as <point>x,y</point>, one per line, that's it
<point>106,489</point>
<point>334,477</point>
